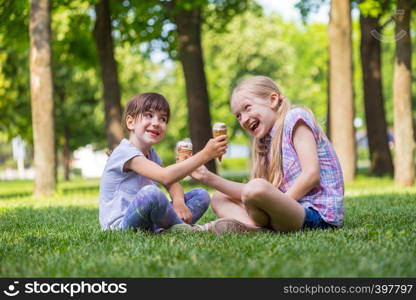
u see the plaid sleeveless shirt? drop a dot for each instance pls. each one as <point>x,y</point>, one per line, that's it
<point>327,198</point>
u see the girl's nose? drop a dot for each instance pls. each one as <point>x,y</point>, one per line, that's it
<point>155,121</point>
<point>244,119</point>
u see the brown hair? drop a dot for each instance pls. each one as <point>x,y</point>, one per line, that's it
<point>262,87</point>
<point>141,103</point>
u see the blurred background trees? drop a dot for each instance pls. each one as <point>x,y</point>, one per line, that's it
<point>402,97</point>
<point>41,86</point>
<point>341,89</point>
<point>194,52</point>
<point>370,52</point>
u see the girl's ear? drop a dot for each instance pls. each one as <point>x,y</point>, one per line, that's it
<point>274,101</point>
<point>130,122</point>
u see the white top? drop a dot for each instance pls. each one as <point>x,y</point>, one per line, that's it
<point>119,188</point>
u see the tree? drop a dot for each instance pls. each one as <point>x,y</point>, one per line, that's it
<point>41,84</point>
<point>188,18</point>
<point>188,22</point>
<point>341,86</point>
<point>404,172</point>
<point>174,26</point>
<point>241,52</point>
<point>109,75</point>
<point>370,48</point>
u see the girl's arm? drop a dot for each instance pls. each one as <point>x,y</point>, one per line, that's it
<point>228,187</point>
<point>306,149</point>
<point>176,192</point>
<point>173,173</point>
<point>178,202</point>
<point>305,146</point>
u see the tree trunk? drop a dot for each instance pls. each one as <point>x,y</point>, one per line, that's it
<point>66,148</point>
<point>370,48</point>
<point>109,75</point>
<point>41,85</point>
<point>66,151</point>
<point>188,24</point>
<point>404,173</point>
<point>341,86</point>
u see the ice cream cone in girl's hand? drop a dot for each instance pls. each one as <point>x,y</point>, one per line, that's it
<point>217,130</point>
<point>183,150</point>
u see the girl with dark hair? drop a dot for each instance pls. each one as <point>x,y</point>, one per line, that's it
<point>129,196</point>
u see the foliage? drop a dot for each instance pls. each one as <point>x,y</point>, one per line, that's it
<point>15,108</point>
<point>293,55</point>
<point>307,7</point>
<point>234,164</point>
<point>74,61</point>
<point>238,41</point>
<point>375,8</point>
<point>151,22</point>
<point>77,85</point>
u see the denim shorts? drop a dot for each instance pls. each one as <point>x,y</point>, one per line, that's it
<point>313,220</point>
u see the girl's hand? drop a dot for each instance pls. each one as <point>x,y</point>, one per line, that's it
<point>200,174</point>
<point>183,212</point>
<point>216,147</point>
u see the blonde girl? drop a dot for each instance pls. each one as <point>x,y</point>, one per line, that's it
<point>296,179</point>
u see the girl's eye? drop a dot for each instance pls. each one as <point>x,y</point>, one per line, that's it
<point>148,115</point>
<point>163,119</point>
<point>247,107</point>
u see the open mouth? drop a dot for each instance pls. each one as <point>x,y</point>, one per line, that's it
<point>254,125</point>
<point>152,131</point>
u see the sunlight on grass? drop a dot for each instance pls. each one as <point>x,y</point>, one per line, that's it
<point>48,237</point>
<point>375,186</point>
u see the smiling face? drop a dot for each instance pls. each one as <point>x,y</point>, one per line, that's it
<point>146,118</point>
<point>147,129</point>
<point>257,116</point>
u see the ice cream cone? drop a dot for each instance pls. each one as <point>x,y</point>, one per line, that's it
<point>183,149</point>
<point>217,130</point>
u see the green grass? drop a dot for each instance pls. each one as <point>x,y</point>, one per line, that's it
<point>60,237</point>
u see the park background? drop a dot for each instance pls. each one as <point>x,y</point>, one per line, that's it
<point>346,60</point>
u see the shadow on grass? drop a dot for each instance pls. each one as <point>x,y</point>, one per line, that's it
<point>70,190</point>
<point>378,210</point>
<point>15,195</point>
<point>60,191</point>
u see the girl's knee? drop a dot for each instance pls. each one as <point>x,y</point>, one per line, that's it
<point>254,190</point>
<point>152,194</point>
<point>203,196</point>
<point>150,190</point>
<point>217,198</point>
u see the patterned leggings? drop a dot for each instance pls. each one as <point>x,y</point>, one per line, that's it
<point>151,209</point>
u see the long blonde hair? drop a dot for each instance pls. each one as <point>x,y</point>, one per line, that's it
<point>262,87</point>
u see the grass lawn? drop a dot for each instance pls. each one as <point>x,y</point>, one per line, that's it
<point>60,237</point>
